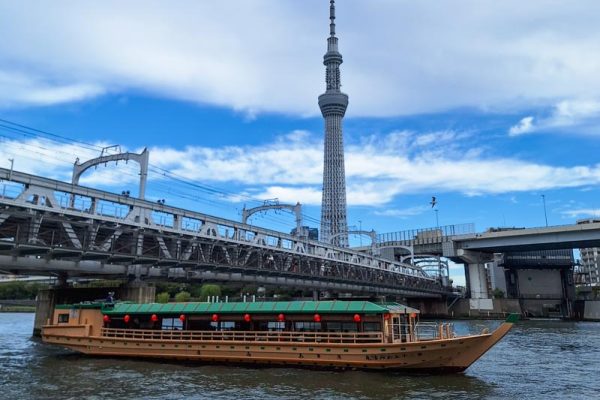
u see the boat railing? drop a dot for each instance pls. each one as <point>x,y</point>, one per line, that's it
<point>434,330</point>
<point>244,336</point>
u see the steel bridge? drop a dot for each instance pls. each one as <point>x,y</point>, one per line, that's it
<point>49,226</point>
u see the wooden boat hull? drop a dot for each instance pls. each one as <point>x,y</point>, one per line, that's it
<point>442,355</point>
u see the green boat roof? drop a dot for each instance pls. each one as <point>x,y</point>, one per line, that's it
<point>265,307</point>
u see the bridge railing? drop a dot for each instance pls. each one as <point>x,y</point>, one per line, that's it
<point>425,235</point>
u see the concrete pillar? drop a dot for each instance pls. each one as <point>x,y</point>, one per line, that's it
<point>497,276</point>
<point>478,281</point>
<point>138,292</point>
<point>44,308</point>
<point>476,272</point>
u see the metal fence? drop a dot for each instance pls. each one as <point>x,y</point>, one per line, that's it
<point>426,235</point>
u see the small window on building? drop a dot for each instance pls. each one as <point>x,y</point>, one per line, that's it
<point>63,318</point>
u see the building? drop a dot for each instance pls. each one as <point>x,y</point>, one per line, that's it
<point>333,104</point>
<point>589,268</point>
<point>312,233</point>
<point>542,281</point>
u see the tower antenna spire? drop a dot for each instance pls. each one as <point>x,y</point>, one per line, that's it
<point>332,17</point>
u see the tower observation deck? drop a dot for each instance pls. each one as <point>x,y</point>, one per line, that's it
<point>333,104</point>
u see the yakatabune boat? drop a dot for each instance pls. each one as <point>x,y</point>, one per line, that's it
<point>331,334</point>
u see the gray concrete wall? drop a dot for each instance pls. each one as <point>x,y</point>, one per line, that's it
<point>500,309</point>
<point>543,308</point>
<point>591,310</point>
<point>430,308</point>
<point>540,283</point>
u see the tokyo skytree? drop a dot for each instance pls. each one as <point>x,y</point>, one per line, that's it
<point>333,104</point>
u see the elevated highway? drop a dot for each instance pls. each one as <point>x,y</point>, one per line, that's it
<point>452,242</point>
<point>531,239</point>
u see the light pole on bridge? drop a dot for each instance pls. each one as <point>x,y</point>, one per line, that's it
<point>545,214</point>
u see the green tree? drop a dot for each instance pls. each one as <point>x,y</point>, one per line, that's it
<point>249,289</point>
<point>498,293</point>
<point>163,297</point>
<point>209,289</point>
<point>19,290</point>
<point>182,297</point>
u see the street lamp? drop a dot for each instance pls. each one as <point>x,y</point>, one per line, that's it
<point>545,214</point>
<point>360,234</point>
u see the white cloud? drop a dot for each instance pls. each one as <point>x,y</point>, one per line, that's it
<point>19,89</point>
<point>581,213</point>
<point>291,195</point>
<point>524,126</point>
<point>574,116</point>
<point>401,57</point>
<point>290,168</point>
<point>403,212</point>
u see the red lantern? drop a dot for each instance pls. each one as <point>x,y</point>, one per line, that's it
<point>182,317</point>
<point>106,319</point>
<point>247,317</point>
<point>281,318</point>
<point>154,318</point>
<point>126,318</point>
<point>215,317</point>
<point>317,318</point>
<point>356,317</point>
<point>387,316</point>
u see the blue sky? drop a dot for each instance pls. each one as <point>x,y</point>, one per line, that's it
<point>486,105</point>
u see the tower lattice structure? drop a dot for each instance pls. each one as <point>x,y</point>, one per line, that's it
<point>333,104</point>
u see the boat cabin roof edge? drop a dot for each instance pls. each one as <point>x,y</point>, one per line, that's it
<point>259,307</point>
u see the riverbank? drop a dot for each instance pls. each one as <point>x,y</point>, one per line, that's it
<point>25,306</point>
<point>17,309</point>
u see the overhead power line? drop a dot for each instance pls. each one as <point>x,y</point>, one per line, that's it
<point>16,129</point>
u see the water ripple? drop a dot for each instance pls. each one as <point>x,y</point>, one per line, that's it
<point>537,360</point>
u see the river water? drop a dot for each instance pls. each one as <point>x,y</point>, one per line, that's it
<point>536,360</point>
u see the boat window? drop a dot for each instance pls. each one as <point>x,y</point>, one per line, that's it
<point>225,325</point>
<point>341,327</point>
<point>334,327</point>
<point>308,326</point>
<point>275,326</point>
<point>372,327</point>
<point>172,324</point>
<point>396,328</point>
<point>63,318</point>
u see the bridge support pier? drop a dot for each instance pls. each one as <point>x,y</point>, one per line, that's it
<point>138,292</point>
<point>44,308</point>
<point>47,299</point>
<point>475,272</point>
